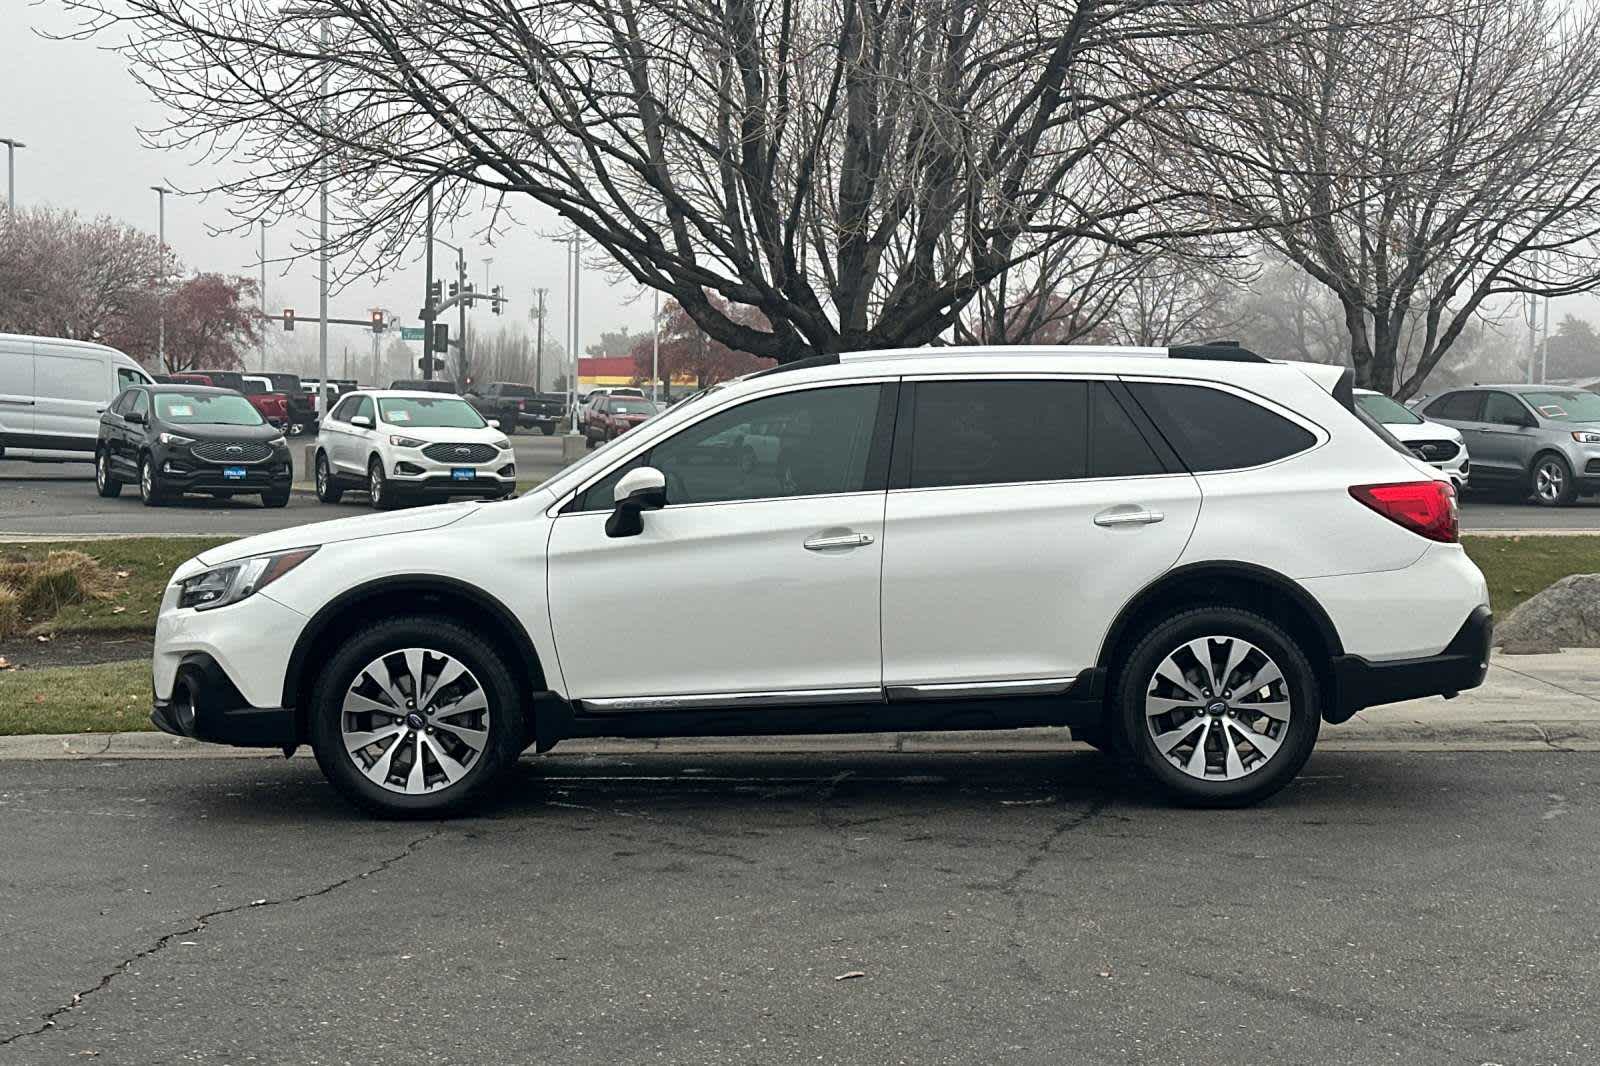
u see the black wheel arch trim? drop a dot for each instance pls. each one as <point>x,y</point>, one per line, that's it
<point>1222,570</point>
<point>306,645</point>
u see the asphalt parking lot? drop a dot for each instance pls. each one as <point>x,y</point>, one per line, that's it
<point>58,499</point>
<point>1387,907</point>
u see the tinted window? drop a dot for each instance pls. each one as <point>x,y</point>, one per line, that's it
<point>1459,406</point>
<point>1387,410</point>
<point>1215,430</point>
<point>808,443</point>
<point>363,407</point>
<point>1502,409</point>
<point>1116,447</point>
<point>141,403</point>
<point>344,409</point>
<point>998,432</point>
<point>120,405</point>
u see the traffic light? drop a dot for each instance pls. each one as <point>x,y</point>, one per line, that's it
<point>495,305</point>
<point>470,289</point>
<point>454,290</point>
<point>422,364</point>
<point>434,293</point>
<point>377,321</point>
<point>288,320</point>
<point>441,336</point>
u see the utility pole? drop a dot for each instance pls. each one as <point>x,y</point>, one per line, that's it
<point>11,172</point>
<point>427,296</point>
<point>161,296</point>
<point>538,344</point>
<point>322,256</point>
<point>1544,354</point>
<point>461,316</point>
<point>263,295</point>
<point>1531,307</point>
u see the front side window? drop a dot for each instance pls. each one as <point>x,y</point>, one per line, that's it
<point>1215,430</point>
<point>206,408</point>
<point>344,409</point>
<point>429,412</point>
<point>140,404</point>
<point>998,432</point>
<point>1386,410</point>
<point>1502,409</point>
<point>364,408</point>
<point>120,405</point>
<point>809,443</point>
<point>127,376</point>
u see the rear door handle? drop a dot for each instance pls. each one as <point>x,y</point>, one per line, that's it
<point>838,540</point>
<point>1128,516</point>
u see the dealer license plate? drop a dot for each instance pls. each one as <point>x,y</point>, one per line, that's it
<point>462,473</point>
<point>233,473</point>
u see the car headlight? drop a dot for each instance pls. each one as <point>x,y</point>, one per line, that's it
<point>502,444</point>
<point>405,442</point>
<point>1585,437</point>
<point>173,438</point>
<point>232,582</point>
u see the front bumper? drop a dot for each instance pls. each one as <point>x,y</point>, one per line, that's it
<point>206,705</point>
<point>1361,683</point>
<point>184,473</point>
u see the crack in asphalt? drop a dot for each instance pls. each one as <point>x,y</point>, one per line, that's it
<point>48,1019</point>
<point>1543,681</point>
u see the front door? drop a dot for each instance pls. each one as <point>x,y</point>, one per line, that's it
<point>756,583</point>
<point>1506,442</point>
<point>1023,513</point>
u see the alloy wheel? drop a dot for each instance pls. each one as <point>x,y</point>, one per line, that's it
<point>415,721</point>
<point>322,476</point>
<point>146,480</point>
<point>1549,481</point>
<point>375,485</point>
<point>102,474</point>
<point>1217,708</point>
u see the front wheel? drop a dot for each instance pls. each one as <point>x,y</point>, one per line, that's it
<point>378,487</point>
<point>151,492</point>
<point>549,430</point>
<point>416,717</point>
<point>1552,482</point>
<point>105,482</point>
<point>275,498</point>
<point>1218,706</point>
<point>328,488</point>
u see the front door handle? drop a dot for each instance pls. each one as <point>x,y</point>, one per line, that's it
<point>1128,516</point>
<point>822,543</point>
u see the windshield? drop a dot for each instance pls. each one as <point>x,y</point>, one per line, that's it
<point>428,412</point>
<point>1389,412</point>
<point>633,407</point>
<point>215,409</point>
<point>1565,406</point>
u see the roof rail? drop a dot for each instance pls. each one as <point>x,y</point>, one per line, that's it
<point>1221,351</point>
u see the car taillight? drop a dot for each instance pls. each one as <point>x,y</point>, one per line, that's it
<point>1427,508</point>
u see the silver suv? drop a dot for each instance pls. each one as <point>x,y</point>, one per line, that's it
<point>1541,439</point>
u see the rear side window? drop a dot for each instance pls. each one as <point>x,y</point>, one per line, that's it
<point>998,432</point>
<point>1215,430</point>
<point>1116,447</point>
<point>1460,406</point>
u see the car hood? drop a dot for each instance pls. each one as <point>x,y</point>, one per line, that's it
<point>211,431</point>
<point>415,520</point>
<point>1424,431</point>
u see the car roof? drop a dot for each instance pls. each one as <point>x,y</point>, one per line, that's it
<point>411,394</point>
<point>180,388</point>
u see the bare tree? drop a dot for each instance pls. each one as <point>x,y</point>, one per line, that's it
<point>1168,299</point>
<point>856,172</point>
<point>1429,155</point>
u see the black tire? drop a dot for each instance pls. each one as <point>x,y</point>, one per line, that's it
<point>328,488</point>
<point>378,489</point>
<point>506,723</point>
<point>1550,481</point>
<point>588,441</point>
<point>508,426</point>
<point>1296,739</point>
<point>151,492</point>
<point>105,482</point>
<point>275,498</point>
<point>549,429</point>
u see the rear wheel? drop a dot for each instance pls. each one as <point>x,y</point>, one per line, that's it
<point>328,489</point>
<point>416,717</point>
<point>105,482</point>
<point>1551,481</point>
<point>1219,707</point>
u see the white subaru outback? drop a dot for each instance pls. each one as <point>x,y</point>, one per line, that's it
<point>1190,555</point>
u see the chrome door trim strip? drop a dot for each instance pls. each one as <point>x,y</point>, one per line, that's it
<point>1042,686</point>
<point>733,700</point>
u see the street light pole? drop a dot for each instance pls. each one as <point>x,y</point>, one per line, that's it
<point>11,172</point>
<point>322,251</point>
<point>655,346</point>
<point>161,295</point>
<point>263,295</point>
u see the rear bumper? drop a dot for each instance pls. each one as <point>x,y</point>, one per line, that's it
<point>1360,683</point>
<point>206,705</point>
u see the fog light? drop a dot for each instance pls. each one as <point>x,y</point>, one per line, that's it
<point>407,468</point>
<point>509,470</point>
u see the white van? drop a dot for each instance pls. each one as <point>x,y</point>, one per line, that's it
<point>53,391</point>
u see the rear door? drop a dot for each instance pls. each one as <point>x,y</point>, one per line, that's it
<point>1463,410</point>
<point>16,392</point>
<point>1023,512</point>
<point>73,387</point>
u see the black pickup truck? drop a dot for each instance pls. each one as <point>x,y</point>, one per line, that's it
<point>302,405</point>
<point>519,406</point>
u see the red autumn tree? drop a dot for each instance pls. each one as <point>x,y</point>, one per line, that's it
<point>210,323</point>
<point>689,351</point>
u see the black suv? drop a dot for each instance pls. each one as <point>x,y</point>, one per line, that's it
<point>515,406</point>
<point>172,439</point>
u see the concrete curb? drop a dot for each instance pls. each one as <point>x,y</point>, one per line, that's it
<point>1556,735</point>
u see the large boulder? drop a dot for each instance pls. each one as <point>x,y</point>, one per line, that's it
<point>1565,615</point>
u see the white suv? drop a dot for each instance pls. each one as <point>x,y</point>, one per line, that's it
<point>404,445</point>
<point>1193,556</point>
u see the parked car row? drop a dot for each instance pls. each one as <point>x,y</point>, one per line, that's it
<point>1538,440</point>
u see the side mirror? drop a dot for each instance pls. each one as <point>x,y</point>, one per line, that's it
<point>494,423</point>
<point>134,418</point>
<point>361,421</point>
<point>640,490</point>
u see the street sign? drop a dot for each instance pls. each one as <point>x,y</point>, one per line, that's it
<point>412,333</point>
